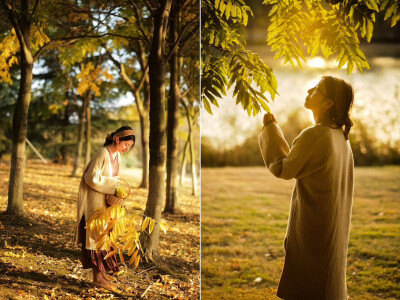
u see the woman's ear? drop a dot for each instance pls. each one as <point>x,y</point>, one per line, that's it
<point>117,140</point>
<point>328,103</point>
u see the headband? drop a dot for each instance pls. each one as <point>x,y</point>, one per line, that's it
<point>123,133</point>
<point>120,134</point>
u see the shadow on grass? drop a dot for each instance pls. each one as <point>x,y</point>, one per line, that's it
<point>39,236</point>
<point>69,285</point>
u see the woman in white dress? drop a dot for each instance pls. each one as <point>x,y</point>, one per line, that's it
<point>99,179</point>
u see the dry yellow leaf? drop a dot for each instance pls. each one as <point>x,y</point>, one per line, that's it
<point>110,254</point>
<point>121,257</point>
<point>145,223</point>
<point>137,260</point>
<point>151,227</point>
<point>133,257</point>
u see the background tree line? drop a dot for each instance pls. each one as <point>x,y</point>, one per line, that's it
<point>368,150</point>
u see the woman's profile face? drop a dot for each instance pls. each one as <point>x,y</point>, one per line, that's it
<point>123,146</point>
<point>316,96</point>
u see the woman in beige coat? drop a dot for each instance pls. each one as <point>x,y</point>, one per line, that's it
<point>321,161</point>
<point>100,178</point>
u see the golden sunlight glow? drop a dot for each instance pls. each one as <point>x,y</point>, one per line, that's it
<point>317,62</point>
<point>310,116</point>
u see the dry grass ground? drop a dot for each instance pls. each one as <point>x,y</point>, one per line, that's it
<point>38,259</point>
<point>244,217</point>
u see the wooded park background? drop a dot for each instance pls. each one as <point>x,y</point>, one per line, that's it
<point>70,73</point>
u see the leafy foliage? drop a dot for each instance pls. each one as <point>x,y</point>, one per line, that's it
<point>117,230</point>
<point>90,78</point>
<point>224,56</point>
<point>9,49</point>
<point>297,28</point>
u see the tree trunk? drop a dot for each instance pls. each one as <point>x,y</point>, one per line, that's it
<point>145,127</point>
<point>157,129</point>
<point>65,123</point>
<point>20,118</point>
<point>193,162</point>
<point>171,205</point>
<point>81,132</point>
<point>88,133</point>
<point>146,122</point>
<point>191,150</point>
<point>183,165</point>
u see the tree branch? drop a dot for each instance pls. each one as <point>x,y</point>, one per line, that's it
<point>176,43</point>
<point>34,8</point>
<point>18,32</point>
<point>139,21</point>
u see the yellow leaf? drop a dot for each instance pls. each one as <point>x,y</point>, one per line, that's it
<point>129,243</point>
<point>121,257</point>
<point>145,223</point>
<point>131,249</point>
<point>151,227</point>
<point>133,257</point>
<point>137,260</point>
<point>162,226</point>
<point>110,254</point>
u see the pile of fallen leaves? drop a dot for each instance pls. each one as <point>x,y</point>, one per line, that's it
<point>38,259</point>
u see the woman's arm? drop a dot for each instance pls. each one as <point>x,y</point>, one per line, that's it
<point>296,163</point>
<point>95,179</point>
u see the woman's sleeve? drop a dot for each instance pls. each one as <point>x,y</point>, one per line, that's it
<point>288,163</point>
<point>95,179</point>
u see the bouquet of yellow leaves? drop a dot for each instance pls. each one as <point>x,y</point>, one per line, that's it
<point>117,230</point>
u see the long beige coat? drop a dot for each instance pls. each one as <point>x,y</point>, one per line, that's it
<point>95,183</point>
<point>317,236</point>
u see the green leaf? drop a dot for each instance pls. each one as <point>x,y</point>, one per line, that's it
<point>207,105</point>
<point>390,11</point>
<point>370,29</point>
<point>384,3</point>
<point>325,51</point>
<point>273,10</point>
<point>228,10</point>
<point>315,49</point>
<point>342,61</point>
<point>374,5</point>
<point>245,17</point>
<point>264,105</point>
<point>363,28</point>
<point>233,12</point>
<point>341,52</point>
<point>395,19</point>
<point>350,66</point>
<point>212,37</point>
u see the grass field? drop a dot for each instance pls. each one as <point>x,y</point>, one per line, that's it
<point>244,217</point>
<point>38,258</point>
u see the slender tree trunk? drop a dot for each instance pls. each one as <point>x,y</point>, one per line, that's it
<point>193,162</point>
<point>145,128</point>
<point>65,124</point>
<point>183,165</point>
<point>171,205</point>
<point>81,133</point>
<point>146,122</point>
<point>157,129</point>
<point>191,150</point>
<point>88,133</point>
<point>20,118</point>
